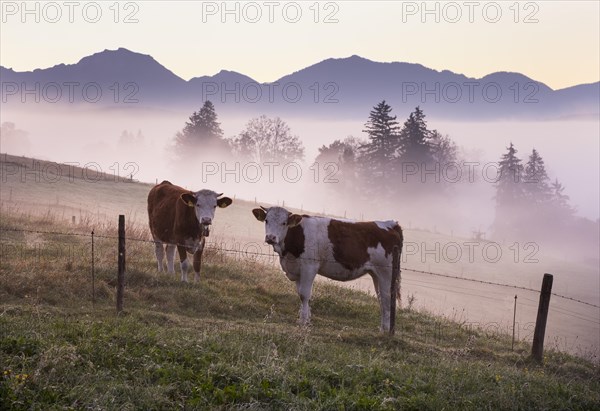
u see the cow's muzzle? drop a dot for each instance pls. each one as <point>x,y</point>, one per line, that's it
<point>270,239</point>
<point>205,230</point>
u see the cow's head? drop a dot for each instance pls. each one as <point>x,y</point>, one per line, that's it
<point>277,221</point>
<point>204,203</point>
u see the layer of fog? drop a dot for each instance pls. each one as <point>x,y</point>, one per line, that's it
<point>570,150</point>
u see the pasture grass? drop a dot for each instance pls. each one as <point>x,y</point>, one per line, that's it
<point>231,340</point>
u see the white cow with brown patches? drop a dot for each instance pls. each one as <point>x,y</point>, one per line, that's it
<point>337,249</point>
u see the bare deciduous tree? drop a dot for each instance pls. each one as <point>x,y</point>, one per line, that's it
<point>265,139</point>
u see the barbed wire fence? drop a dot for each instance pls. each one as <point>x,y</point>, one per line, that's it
<point>248,253</point>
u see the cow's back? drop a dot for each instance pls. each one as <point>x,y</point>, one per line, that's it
<point>162,205</point>
<point>352,241</point>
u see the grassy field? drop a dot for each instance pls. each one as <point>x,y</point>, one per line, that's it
<point>231,341</point>
<point>57,192</point>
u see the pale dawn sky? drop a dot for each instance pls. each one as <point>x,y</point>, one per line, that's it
<point>556,42</point>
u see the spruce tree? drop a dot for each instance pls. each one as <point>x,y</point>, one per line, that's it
<point>202,131</point>
<point>415,139</point>
<point>509,189</point>
<point>535,180</point>
<point>377,154</point>
<point>509,194</point>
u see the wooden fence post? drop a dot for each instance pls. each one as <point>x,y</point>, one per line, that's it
<point>537,348</point>
<point>395,287</point>
<point>121,264</point>
<point>512,346</point>
<point>93,272</point>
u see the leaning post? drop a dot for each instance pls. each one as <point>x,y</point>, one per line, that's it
<point>537,348</point>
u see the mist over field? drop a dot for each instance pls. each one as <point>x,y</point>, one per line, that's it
<point>569,149</point>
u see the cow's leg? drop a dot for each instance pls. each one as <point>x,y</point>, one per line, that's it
<point>304,288</point>
<point>375,285</point>
<point>159,250</point>
<point>384,279</point>
<point>170,250</point>
<point>184,262</point>
<point>198,261</point>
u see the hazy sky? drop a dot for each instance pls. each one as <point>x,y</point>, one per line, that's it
<point>556,42</point>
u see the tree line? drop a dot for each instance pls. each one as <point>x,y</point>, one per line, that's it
<point>397,160</point>
<point>263,139</point>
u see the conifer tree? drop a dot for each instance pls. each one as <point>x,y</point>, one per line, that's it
<point>535,180</point>
<point>509,194</point>
<point>377,154</point>
<point>415,139</point>
<point>509,189</point>
<point>202,131</point>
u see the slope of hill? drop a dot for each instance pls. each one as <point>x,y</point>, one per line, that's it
<point>230,341</point>
<point>34,189</point>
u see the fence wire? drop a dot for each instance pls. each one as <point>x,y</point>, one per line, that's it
<point>215,246</point>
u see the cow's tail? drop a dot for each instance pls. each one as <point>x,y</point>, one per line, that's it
<point>398,229</point>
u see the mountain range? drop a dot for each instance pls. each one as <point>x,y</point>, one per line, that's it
<point>333,88</point>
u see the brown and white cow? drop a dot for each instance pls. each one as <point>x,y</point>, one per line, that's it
<point>181,219</point>
<point>337,249</point>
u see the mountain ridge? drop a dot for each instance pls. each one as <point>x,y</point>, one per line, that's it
<point>333,87</point>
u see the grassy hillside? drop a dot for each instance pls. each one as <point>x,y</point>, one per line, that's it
<point>56,192</point>
<point>231,341</point>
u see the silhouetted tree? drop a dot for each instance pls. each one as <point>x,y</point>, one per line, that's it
<point>377,154</point>
<point>265,139</point>
<point>339,158</point>
<point>509,189</point>
<point>415,144</point>
<point>336,151</point>
<point>536,181</point>
<point>443,149</point>
<point>202,131</point>
<point>129,140</point>
<point>509,194</point>
<point>560,201</point>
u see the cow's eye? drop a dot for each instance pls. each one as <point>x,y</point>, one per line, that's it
<point>214,206</point>
<point>266,221</point>
<point>282,223</point>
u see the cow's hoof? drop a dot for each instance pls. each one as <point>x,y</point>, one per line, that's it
<point>304,323</point>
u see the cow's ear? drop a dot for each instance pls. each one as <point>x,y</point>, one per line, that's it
<point>189,199</point>
<point>224,202</point>
<point>294,220</point>
<point>260,214</point>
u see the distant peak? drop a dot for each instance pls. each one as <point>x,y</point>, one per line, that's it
<point>120,52</point>
<point>357,57</point>
<point>354,58</point>
<point>223,72</point>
